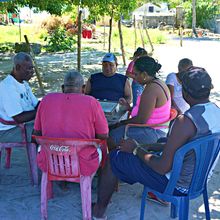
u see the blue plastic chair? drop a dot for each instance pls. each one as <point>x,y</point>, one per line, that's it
<point>206,151</point>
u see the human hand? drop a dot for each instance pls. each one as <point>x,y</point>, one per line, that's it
<point>127,145</point>
<point>123,102</point>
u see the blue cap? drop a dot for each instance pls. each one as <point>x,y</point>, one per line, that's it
<point>109,57</point>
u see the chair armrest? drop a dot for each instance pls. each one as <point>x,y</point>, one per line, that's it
<point>21,125</point>
<point>8,122</point>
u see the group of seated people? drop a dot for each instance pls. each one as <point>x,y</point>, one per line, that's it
<point>73,114</point>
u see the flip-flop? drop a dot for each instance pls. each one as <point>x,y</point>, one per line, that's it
<point>153,198</point>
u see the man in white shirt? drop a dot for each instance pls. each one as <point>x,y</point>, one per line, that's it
<point>17,102</point>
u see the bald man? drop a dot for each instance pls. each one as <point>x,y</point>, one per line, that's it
<point>17,102</point>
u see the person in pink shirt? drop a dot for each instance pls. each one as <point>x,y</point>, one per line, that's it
<point>70,114</point>
<point>137,88</point>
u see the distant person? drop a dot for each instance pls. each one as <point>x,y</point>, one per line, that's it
<point>109,85</point>
<point>132,163</point>
<point>173,82</point>
<point>137,88</point>
<point>17,102</point>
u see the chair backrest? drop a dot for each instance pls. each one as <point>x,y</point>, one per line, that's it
<point>206,150</point>
<point>62,154</point>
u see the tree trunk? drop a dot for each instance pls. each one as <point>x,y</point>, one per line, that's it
<point>79,38</point>
<point>148,37</point>
<point>110,33</point>
<point>135,34</point>
<point>104,33</point>
<point>121,41</point>
<point>194,17</point>
<point>142,38</point>
<point>35,66</point>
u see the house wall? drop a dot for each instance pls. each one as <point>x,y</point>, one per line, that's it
<point>154,21</point>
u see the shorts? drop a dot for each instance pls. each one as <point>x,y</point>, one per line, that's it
<point>130,169</point>
<point>146,135</point>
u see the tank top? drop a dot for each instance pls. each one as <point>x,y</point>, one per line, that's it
<point>204,118</point>
<point>158,115</point>
<point>110,88</point>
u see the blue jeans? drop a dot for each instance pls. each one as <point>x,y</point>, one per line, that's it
<point>137,90</point>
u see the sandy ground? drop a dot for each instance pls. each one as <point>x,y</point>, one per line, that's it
<point>21,201</point>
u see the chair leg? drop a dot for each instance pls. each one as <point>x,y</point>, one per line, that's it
<point>8,158</point>
<point>143,202</point>
<point>206,203</point>
<point>32,159</point>
<point>85,188</point>
<point>184,209</point>
<point>173,211</point>
<point>0,157</point>
<point>44,184</point>
<point>49,190</point>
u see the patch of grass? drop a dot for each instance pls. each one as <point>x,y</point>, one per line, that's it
<point>10,34</point>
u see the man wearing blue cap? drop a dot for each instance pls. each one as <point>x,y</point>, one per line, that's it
<point>108,84</point>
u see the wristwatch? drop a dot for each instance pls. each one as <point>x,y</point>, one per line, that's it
<point>134,152</point>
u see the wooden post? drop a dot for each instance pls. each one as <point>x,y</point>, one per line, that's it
<point>35,65</point>
<point>79,41</point>
<point>110,35</point>
<point>148,37</point>
<point>142,38</point>
<point>121,42</point>
<point>19,25</point>
<point>104,32</point>
<point>135,34</point>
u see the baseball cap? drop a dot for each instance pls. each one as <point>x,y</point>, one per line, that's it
<point>109,57</point>
<point>197,82</point>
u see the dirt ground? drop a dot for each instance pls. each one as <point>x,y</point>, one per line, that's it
<point>19,200</point>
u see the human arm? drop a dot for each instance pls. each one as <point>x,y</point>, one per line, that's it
<point>174,105</point>
<point>127,92</point>
<point>25,116</point>
<point>129,145</point>
<point>129,71</point>
<point>88,87</point>
<point>163,164</point>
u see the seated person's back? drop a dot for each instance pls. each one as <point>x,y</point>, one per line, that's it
<point>71,114</point>
<point>108,84</point>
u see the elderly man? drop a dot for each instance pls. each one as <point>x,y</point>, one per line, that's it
<point>17,102</point>
<point>108,84</point>
<point>71,114</point>
<point>132,163</point>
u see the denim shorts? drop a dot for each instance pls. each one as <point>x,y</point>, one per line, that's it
<point>141,135</point>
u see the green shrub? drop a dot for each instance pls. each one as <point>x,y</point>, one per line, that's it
<point>59,40</point>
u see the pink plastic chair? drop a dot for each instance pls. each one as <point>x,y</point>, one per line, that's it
<point>30,147</point>
<point>62,161</point>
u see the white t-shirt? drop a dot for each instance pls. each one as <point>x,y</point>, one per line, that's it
<point>15,98</point>
<point>177,96</point>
